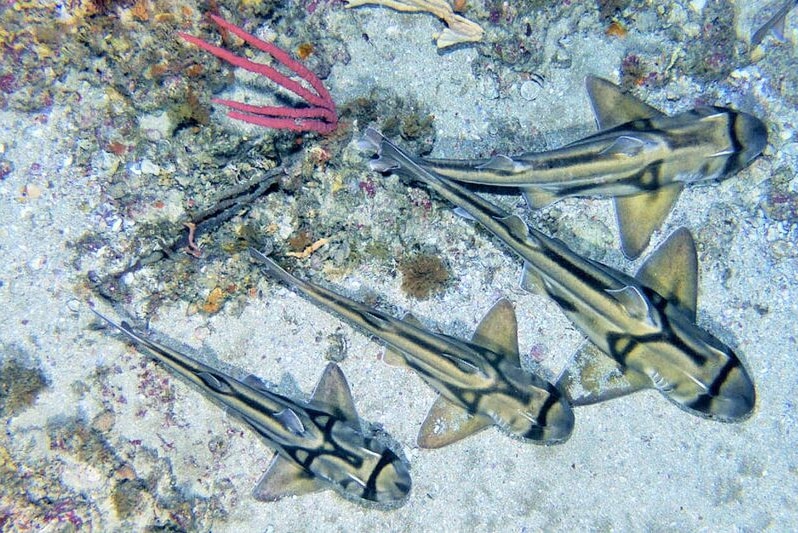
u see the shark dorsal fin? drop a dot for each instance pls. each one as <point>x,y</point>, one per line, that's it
<point>463,364</point>
<point>499,163</point>
<point>256,383</point>
<point>592,376</point>
<point>498,331</point>
<point>642,214</point>
<point>411,319</point>
<point>333,392</point>
<point>289,419</point>
<point>672,271</point>
<point>633,302</point>
<point>284,478</point>
<point>612,107</point>
<point>516,226</point>
<point>447,423</point>
<point>624,145</point>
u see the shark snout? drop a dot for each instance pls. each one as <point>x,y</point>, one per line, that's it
<point>731,397</point>
<point>559,422</point>
<point>736,397</point>
<point>752,134</point>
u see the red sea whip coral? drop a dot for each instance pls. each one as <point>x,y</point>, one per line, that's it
<point>320,115</point>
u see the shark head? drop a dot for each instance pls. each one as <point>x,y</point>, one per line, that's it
<point>546,418</point>
<point>703,376</point>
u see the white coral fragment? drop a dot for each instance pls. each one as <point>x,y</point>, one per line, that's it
<point>459,29</point>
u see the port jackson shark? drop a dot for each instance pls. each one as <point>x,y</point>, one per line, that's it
<point>481,382</point>
<point>645,324</point>
<point>640,157</point>
<point>320,444</point>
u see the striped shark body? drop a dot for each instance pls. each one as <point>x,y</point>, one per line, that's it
<point>319,445</point>
<point>481,382</point>
<point>645,324</point>
<point>640,157</point>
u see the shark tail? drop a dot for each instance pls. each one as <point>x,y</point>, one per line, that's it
<point>275,271</point>
<point>389,156</point>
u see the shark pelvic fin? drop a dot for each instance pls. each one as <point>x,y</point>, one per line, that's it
<point>284,478</point>
<point>672,271</point>
<point>498,331</point>
<point>640,215</point>
<point>393,357</point>
<point>333,392</point>
<point>531,281</point>
<point>536,197</point>
<point>593,377</point>
<point>612,107</point>
<point>447,423</point>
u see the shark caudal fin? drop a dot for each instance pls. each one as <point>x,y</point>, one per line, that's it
<point>389,156</point>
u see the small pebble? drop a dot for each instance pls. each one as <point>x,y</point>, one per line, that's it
<point>148,167</point>
<point>529,90</point>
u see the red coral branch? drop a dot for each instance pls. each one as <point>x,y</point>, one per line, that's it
<point>320,116</point>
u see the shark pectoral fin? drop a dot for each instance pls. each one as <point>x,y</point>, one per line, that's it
<point>499,163</point>
<point>537,198</point>
<point>333,392</point>
<point>612,107</point>
<point>447,423</point>
<point>592,377</point>
<point>531,281</point>
<point>633,301</point>
<point>284,478</point>
<point>640,215</point>
<point>498,331</point>
<point>672,271</point>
